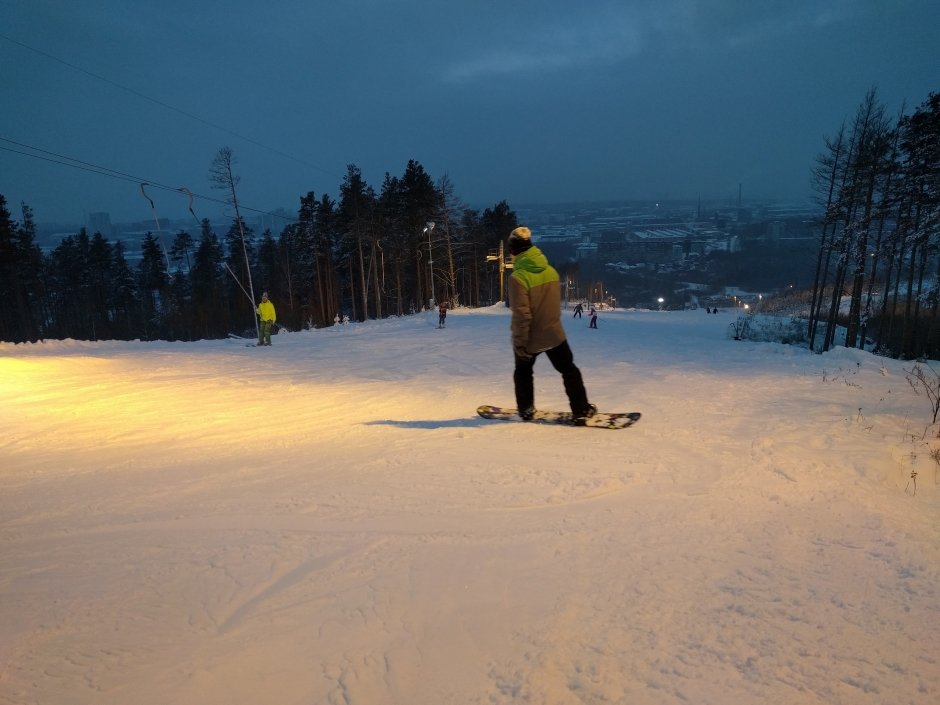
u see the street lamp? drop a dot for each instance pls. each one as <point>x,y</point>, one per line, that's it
<point>428,228</point>
<point>661,300</point>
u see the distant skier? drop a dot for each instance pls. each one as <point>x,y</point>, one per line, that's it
<point>535,300</point>
<point>441,314</point>
<point>266,312</point>
<point>593,318</point>
<point>578,310</point>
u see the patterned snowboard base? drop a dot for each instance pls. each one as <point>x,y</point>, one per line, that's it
<point>563,418</point>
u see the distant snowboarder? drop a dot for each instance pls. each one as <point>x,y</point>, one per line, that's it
<point>441,314</point>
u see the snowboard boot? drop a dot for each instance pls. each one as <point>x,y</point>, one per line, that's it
<point>581,419</point>
<point>527,414</point>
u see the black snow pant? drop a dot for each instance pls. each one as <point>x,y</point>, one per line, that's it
<point>562,360</point>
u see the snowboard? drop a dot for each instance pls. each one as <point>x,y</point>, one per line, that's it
<point>612,420</point>
<point>239,337</point>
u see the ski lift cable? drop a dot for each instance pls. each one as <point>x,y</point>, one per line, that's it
<point>77,165</point>
<point>161,103</point>
<point>63,160</point>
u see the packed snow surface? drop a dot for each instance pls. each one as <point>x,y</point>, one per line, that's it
<point>328,521</point>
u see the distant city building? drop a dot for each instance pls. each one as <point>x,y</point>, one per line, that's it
<point>776,229</point>
<point>100,222</point>
<point>275,221</point>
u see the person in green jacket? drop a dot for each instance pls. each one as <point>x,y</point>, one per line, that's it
<point>266,312</point>
<point>535,300</point>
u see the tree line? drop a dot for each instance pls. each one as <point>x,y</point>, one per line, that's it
<point>878,265</point>
<point>365,255</point>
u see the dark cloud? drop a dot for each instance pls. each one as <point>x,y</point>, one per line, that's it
<point>530,101</point>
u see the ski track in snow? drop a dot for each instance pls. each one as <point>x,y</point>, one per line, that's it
<point>328,521</point>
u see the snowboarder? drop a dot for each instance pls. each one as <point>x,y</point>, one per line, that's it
<point>266,310</point>
<point>593,318</point>
<point>578,310</point>
<point>441,314</point>
<point>535,300</point>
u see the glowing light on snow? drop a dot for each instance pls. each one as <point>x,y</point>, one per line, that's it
<point>86,404</point>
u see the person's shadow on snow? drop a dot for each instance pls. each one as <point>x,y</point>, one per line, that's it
<point>432,423</point>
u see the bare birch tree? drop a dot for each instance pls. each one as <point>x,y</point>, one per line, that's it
<point>222,177</point>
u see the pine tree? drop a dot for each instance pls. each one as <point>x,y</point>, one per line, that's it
<point>11,328</point>
<point>23,311</point>
<point>211,313</point>
<point>124,298</point>
<point>420,205</point>
<point>356,215</point>
<point>153,281</point>
<point>100,280</point>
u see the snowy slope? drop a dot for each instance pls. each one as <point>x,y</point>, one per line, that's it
<point>327,521</point>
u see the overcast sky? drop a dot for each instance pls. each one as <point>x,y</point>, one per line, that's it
<point>532,101</point>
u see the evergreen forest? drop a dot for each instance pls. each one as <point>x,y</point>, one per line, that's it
<point>371,254</point>
<point>365,255</point>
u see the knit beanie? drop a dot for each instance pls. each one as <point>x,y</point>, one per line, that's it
<point>520,240</point>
